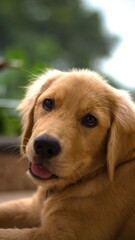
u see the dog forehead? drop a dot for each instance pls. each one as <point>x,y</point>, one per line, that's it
<point>80,84</point>
<point>79,93</point>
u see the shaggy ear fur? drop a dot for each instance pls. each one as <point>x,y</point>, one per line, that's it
<point>121,144</point>
<point>27,105</point>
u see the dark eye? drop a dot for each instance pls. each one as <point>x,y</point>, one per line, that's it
<point>48,104</point>
<point>89,121</point>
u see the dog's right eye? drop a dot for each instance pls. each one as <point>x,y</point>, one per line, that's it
<point>48,104</point>
<point>89,121</point>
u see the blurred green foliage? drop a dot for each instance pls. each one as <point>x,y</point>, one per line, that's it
<point>57,33</point>
<point>46,34</point>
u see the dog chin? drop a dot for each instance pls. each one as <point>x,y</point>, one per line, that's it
<point>52,183</point>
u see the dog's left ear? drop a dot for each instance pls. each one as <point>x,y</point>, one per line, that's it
<point>121,141</point>
<point>26,107</point>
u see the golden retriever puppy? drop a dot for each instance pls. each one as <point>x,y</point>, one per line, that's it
<point>79,138</point>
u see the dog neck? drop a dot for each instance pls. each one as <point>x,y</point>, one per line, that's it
<point>88,179</point>
<point>89,185</point>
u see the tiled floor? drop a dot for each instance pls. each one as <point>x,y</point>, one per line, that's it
<point>12,195</point>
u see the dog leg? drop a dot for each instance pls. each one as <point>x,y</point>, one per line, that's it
<point>58,227</point>
<point>21,234</point>
<point>20,213</point>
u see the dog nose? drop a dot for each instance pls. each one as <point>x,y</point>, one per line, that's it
<point>47,146</point>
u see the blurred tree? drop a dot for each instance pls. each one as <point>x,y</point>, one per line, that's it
<point>58,33</point>
<point>47,33</point>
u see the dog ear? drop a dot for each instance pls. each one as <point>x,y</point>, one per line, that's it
<point>121,142</point>
<point>26,107</point>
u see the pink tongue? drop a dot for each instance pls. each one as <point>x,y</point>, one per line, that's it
<point>40,171</point>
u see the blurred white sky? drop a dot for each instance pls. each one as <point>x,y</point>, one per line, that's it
<point>119,18</point>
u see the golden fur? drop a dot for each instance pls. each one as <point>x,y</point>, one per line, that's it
<point>93,197</point>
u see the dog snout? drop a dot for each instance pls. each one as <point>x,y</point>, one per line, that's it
<point>46,146</point>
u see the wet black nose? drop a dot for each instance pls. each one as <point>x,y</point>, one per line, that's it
<point>46,146</point>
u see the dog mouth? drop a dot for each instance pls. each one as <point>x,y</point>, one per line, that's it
<point>38,170</point>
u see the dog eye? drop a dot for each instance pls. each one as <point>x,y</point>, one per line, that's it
<point>48,104</point>
<point>89,121</point>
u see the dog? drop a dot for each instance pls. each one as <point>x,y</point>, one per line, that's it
<point>79,138</point>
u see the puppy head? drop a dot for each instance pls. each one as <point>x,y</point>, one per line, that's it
<point>75,124</point>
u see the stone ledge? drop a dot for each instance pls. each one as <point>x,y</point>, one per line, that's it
<point>9,144</point>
